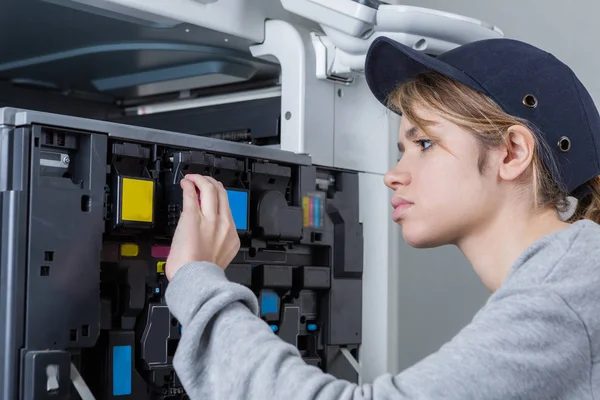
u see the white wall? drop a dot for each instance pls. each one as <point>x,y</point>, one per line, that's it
<point>437,292</point>
<point>567,29</point>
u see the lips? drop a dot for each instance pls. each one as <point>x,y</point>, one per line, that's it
<point>399,201</point>
<point>400,205</point>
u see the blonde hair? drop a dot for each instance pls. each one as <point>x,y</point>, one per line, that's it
<point>480,115</point>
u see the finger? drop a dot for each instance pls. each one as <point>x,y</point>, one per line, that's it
<point>190,196</point>
<point>224,208</point>
<point>209,201</point>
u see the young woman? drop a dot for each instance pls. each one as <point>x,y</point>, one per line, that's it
<point>494,136</point>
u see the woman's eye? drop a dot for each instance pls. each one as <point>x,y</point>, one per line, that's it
<point>425,143</point>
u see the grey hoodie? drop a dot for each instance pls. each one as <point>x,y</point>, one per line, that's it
<point>537,337</point>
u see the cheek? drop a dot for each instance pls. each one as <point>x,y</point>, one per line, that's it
<point>448,191</point>
<point>444,181</point>
<point>446,201</point>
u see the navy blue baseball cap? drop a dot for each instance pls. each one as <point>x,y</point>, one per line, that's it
<point>523,80</point>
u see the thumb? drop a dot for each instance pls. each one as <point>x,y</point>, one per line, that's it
<point>190,196</point>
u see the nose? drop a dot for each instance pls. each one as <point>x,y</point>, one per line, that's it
<point>396,177</point>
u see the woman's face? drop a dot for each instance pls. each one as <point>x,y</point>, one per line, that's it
<point>440,195</point>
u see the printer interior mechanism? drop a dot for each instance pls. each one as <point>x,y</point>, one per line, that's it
<point>103,210</point>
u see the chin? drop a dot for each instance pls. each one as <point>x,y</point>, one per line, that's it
<point>422,237</point>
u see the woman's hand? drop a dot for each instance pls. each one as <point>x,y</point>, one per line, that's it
<point>205,231</point>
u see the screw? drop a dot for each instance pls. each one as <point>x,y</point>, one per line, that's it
<point>66,160</point>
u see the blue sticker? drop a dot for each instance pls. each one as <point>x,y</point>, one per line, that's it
<point>121,370</point>
<point>274,328</point>
<point>311,327</point>
<point>269,303</point>
<point>317,213</point>
<point>238,202</point>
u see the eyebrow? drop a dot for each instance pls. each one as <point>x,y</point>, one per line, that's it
<point>410,134</point>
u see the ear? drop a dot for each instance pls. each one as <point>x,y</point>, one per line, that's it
<point>520,146</point>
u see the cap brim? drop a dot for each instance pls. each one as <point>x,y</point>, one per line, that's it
<point>389,64</point>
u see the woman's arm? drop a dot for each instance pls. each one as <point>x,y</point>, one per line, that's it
<point>527,344</point>
<point>227,352</point>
